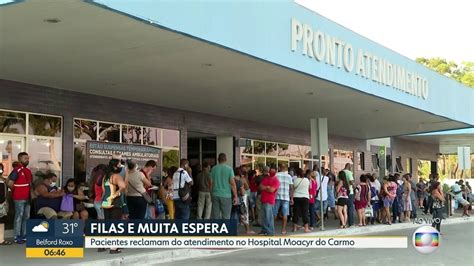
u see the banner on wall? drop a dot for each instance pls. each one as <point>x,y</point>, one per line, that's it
<point>101,152</point>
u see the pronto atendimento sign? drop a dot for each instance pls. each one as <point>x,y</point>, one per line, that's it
<point>323,47</point>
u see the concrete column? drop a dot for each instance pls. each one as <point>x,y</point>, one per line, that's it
<point>68,148</point>
<point>319,137</point>
<point>225,144</point>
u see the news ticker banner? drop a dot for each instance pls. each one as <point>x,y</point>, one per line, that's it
<point>242,242</point>
<point>68,238</point>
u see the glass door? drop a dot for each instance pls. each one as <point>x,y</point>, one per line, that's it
<point>294,164</point>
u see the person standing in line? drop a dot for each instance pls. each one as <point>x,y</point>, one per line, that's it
<point>98,174</point>
<point>342,188</point>
<point>331,194</point>
<point>406,197</point>
<point>240,212</point>
<point>438,205</point>
<point>180,178</point>
<point>457,191</point>
<point>169,192</point>
<point>429,202</point>
<point>223,189</point>
<point>301,200</point>
<point>113,186</point>
<point>204,186</point>
<point>311,175</point>
<point>269,187</point>
<point>136,183</point>
<point>258,204</point>
<point>389,193</point>
<point>3,208</point>
<point>20,180</point>
<point>284,194</point>
<point>375,188</point>
<point>413,199</point>
<point>145,173</point>
<point>421,192</point>
<point>362,199</point>
<point>322,185</point>
<point>350,203</point>
<point>253,194</point>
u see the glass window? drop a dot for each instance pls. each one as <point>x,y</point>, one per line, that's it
<point>271,148</point>
<point>361,161</point>
<point>399,166</point>
<point>246,146</point>
<point>259,147</point>
<point>13,123</point>
<point>80,161</point>
<point>208,145</point>
<point>282,163</point>
<point>9,149</point>
<point>305,151</point>
<point>341,157</point>
<point>259,164</point>
<point>152,136</point>
<point>295,151</point>
<point>170,158</point>
<point>375,162</point>
<point>283,150</point>
<point>246,160</point>
<point>307,165</point>
<point>409,166</point>
<point>45,156</point>
<point>131,134</point>
<point>272,162</point>
<point>43,125</point>
<point>109,132</point>
<point>85,129</point>
<point>171,138</point>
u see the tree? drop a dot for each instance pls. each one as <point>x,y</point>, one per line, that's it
<point>464,72</point>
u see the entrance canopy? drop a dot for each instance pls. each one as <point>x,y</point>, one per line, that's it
<point>142,53</point>
<point>448,141</point>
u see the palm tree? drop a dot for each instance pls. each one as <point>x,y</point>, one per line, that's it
<point>9,119</point>
<point>47,126</point>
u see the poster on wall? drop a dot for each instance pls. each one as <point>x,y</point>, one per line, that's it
<point>101,152</point>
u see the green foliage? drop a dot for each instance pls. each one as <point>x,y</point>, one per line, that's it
<point>424,169</point>
<point>464,72</point>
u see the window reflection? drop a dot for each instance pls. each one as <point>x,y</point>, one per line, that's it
<point>109,132</point>
<point>45,156</point>
<point>43,125</point>
<point>151,136</point>
<point>259,147</point>
<point>171,138</point>
<point>85,129</point>
<point>131,134</point>
<point>12,122</point>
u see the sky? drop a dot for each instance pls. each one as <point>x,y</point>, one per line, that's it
<point>414,28</point>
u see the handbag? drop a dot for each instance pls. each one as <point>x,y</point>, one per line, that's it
<point>369,211</point>
<point>145,195</point>
<point>160,208</point>
<point>67,203</point>
<point>185,191</point>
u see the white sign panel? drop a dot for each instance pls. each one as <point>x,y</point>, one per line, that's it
<point>464,158</point>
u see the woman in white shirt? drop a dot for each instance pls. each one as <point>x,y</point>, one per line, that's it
<point>300,200</point>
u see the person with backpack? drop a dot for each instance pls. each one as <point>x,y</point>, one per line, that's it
<point>182,183</point>
<point>362,199</point>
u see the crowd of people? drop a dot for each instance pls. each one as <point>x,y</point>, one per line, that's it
<point>122,190</point>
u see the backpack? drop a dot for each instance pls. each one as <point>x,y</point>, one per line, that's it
<point>185,191</point>
<point>373,192</point>
<point>357,195</point>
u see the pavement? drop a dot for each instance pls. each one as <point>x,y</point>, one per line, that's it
<point>15,254</point>
<point>456,248</point>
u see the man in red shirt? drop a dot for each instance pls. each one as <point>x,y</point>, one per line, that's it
<point>20,180</point>
<point>269,187</point>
